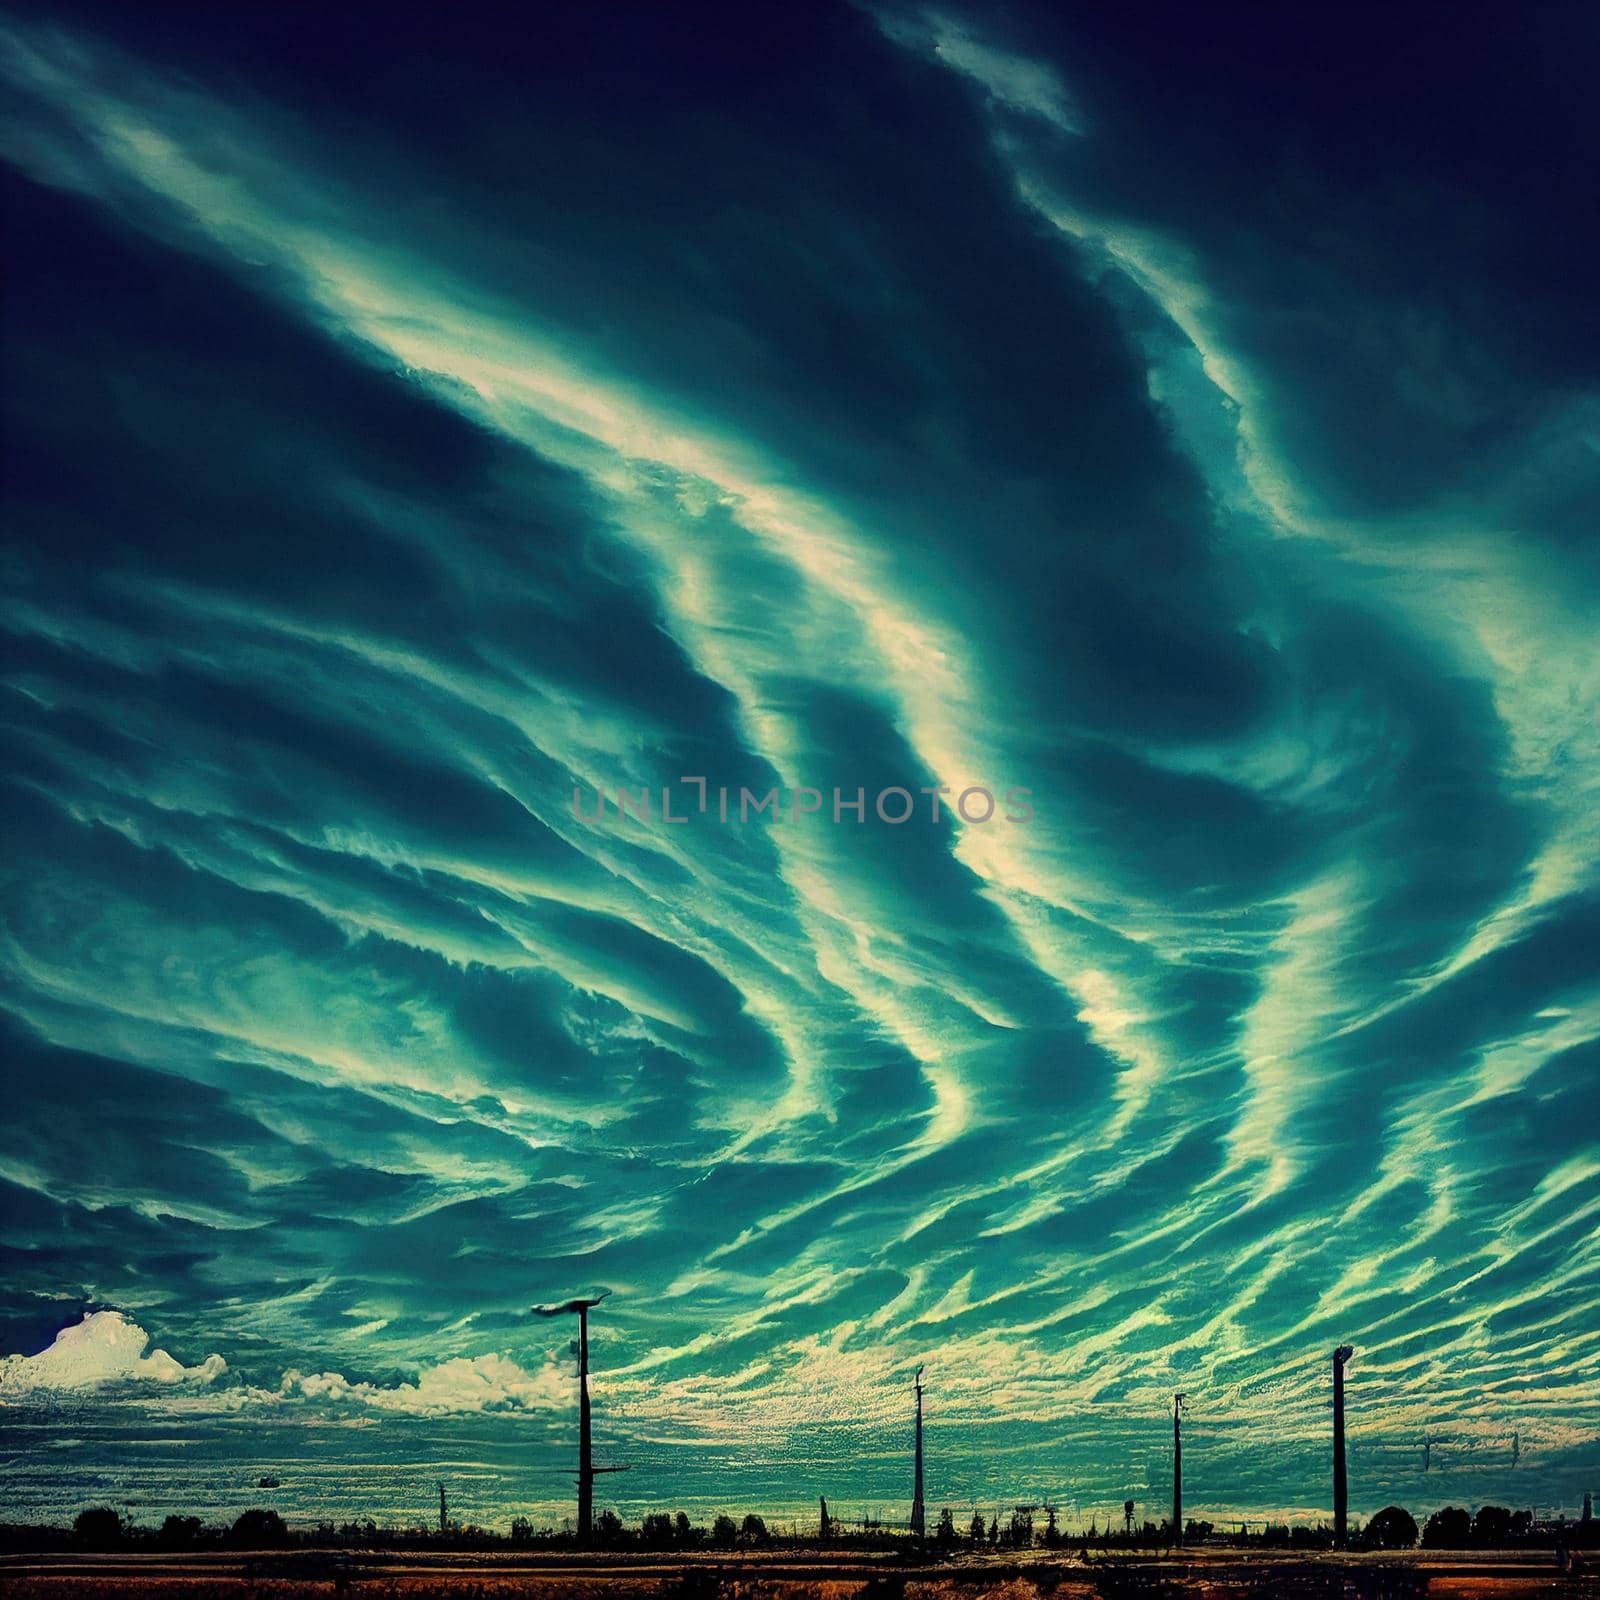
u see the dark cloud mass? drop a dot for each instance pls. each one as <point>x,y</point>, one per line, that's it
<point>1188,415</point>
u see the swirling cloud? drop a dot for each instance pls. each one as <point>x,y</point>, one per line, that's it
<point>391,459</point>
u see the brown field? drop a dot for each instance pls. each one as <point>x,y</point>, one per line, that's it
<point>799,1575</point>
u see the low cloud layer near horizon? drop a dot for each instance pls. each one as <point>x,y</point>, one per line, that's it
<point>1190,418</point>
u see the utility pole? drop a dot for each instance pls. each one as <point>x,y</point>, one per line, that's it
<point>1177,1469</point>
<point>1341,1486</point>
<point>587,1470</point>
<point>918,1516</point>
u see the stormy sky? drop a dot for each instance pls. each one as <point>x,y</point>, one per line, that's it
<point>1187,416</point>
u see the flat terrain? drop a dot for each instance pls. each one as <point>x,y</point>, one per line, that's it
<point>800,1575</point>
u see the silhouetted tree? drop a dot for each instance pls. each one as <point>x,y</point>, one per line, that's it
<point>976,1531</point>
<point>754,1530</point>
<point>1393,1528</point>
<point>98,1528</point>
<point>258,1528</point>
<point>1491,1526</point>
<point>178,1531</point>
<point>656,1531</point>
<point>1449,1528</point>
<point>684,1531</point>
<point>947,1527</point>
<point>521,1531</point>
<point>608,1527</point>
<point>724,1531</point>
<point>994,1529</point>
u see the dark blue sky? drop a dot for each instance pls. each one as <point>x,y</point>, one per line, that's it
<point>1187,415</point>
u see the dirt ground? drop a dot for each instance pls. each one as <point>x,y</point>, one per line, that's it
<point>302,1575</point>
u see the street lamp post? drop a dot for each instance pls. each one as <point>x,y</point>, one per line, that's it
<point>1341,1486</point>
<point>918,1513</point>
<point>587,1470</point>
<point>1177,1469</point>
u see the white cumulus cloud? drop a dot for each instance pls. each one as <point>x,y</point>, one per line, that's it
<point>478,1383</point>
<point>104,1348</point>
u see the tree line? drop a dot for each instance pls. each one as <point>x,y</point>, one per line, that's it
<point>1393,1528</point>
